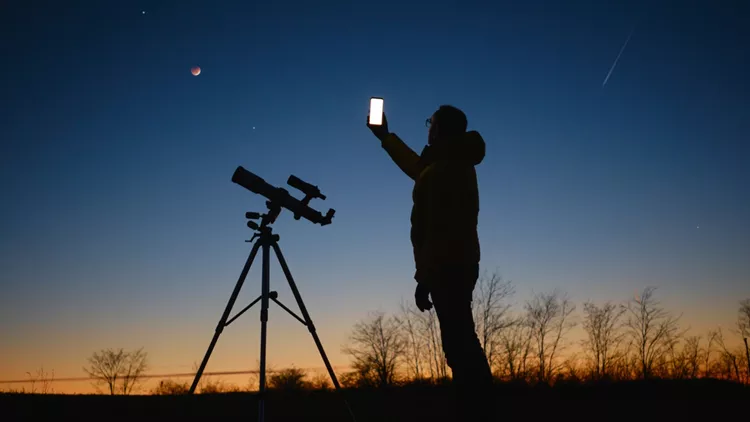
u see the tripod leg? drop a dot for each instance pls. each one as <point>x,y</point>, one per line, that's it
<point>225,316</point>
<point>309,322</point>
<point>265,287</point>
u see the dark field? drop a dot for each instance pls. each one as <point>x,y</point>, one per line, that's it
<point>705,400</point>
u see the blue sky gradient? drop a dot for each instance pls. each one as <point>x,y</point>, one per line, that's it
<point>120,226</point>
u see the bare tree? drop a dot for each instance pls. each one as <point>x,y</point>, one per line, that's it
<point>352,379</point>
<point>743,318</point>
<point>706,357</point>
<point>549,317</point>
<point>119,370</point>
<point>414,341</point>
<point>491,313</point>
<point>627,366</point>
<point>652,329</point>
<point>691,356</point>
<point>571,369</point>
<point>604,334</point>
<point>729,362</point>
<point>674,363</point>
<point>743,326</point>
<point>423,353</point>
<point>134,369</point>
<point>437,365</point>
<point>515,342</point>
<point>376,348</point>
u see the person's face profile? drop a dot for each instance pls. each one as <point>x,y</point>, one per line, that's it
<point>432,132</point>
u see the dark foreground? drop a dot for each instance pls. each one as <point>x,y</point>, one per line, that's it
<point>658,401</point>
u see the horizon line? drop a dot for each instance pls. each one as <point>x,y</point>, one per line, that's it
<point>173,375</point>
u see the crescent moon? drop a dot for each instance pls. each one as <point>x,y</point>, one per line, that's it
<point>195,70</point>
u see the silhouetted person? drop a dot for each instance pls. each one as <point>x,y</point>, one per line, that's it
<point>445,241</point>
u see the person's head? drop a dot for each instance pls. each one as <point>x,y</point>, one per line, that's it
<point>446,123</point>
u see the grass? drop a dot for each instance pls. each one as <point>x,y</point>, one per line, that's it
<point>636,400</point>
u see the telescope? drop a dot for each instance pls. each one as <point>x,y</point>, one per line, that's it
<point>267,243</point>
<point>280,197</point>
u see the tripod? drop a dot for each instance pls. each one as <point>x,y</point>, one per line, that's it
<point>266,240</point>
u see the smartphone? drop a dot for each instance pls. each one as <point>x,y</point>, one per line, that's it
<point>376,111</point>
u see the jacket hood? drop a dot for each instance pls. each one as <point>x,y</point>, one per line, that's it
<point>468,147</point>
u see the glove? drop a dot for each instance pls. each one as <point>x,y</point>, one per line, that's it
<point>380,131</point>
<point>422,297</point>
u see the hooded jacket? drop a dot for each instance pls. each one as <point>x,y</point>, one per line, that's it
<point>446,202</point>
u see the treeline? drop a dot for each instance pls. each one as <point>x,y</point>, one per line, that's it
<point>632,340</point>
<point>636,339</point>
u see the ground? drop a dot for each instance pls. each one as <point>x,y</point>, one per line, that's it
<point>638,401</point>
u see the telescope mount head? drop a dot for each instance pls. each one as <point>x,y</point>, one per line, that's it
<point>265,219</point>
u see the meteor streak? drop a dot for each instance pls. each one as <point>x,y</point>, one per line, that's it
<point>611,69</point>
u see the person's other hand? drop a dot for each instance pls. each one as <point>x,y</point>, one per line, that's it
<point>422,297</point>
<point>380,131</point>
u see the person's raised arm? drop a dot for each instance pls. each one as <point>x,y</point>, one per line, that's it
<point>404,157</point>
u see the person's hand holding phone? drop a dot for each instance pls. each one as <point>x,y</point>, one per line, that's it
<point>380,131</point>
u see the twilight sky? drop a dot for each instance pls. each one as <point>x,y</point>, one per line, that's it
<point>120,227</point>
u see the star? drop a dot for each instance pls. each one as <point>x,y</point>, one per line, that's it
<point>143,12</point>
<point>253,127</point>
